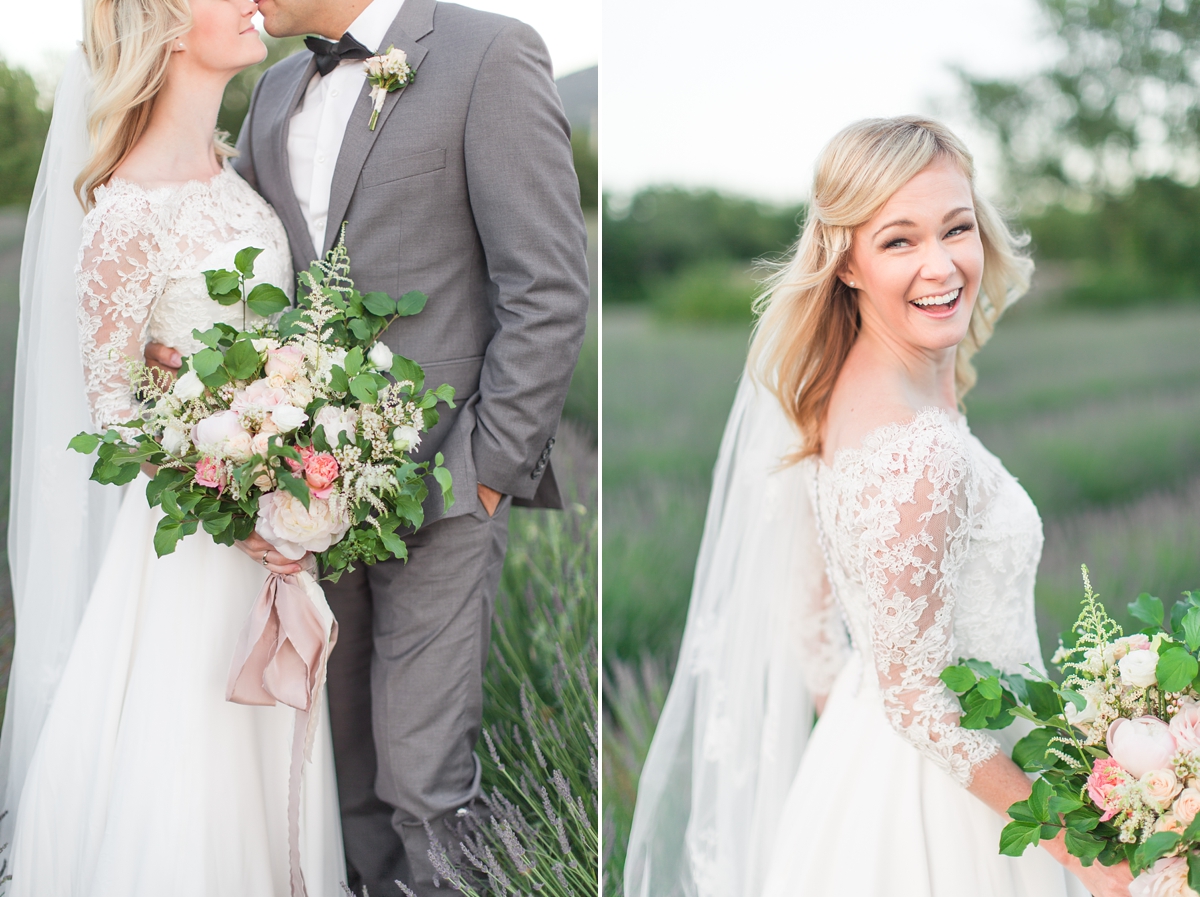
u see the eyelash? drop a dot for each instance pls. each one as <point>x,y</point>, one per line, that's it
<point>962,228</point>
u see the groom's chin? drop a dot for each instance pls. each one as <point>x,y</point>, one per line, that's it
<point>277,22</point>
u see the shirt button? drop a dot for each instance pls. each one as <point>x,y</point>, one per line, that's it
<point>321,157</point>
<point>333,93</point>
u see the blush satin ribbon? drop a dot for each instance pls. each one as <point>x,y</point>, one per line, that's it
<point>280,658</point>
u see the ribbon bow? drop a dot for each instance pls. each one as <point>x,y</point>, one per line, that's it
<point>330,55</point>
<point>280,658</point>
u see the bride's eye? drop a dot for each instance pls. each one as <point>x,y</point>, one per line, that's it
<point>961,229</point>
<point>899,241</point>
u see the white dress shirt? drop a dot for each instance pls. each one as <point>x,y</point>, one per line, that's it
<point>319,123</point>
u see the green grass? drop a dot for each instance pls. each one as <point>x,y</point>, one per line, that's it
<point>1098,416</point>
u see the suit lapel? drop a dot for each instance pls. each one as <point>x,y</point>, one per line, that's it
<point>414,22</point>
<point>288,207</point>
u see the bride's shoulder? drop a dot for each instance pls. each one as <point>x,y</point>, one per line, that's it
<point>898,437</point>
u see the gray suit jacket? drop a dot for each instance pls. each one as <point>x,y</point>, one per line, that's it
<point>465,191</point>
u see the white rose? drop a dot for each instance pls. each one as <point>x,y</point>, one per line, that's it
<point>406,438</point>
<point>188,387</point>
<point>1137,668</point>
<point>239,447</point>
<point>288,417</point>
<point>284,522</point>
<point>1187,805</point>
<point>1160,786</point>
<point>265,344</point>
<point>380,356</point>
<point>335,421</point>
<point>212,435</point>
<point>261,443</point>
<point>174,438</point>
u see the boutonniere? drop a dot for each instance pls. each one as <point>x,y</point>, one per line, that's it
<point>387,72</point>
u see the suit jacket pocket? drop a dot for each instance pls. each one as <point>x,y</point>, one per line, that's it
<point>387,169</point>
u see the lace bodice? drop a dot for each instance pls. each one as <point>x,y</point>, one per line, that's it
<point>931,549</point>
<point>140,276</point>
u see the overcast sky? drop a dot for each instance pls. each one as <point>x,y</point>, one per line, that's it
<point>743,96</point>
<point>37,31</point>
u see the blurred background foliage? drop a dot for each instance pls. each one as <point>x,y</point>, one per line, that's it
<point>542,681</point>
<point>1089,392</point>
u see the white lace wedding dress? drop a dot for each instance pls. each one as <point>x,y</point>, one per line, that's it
<point>931,549</point>
<point>145,780</point>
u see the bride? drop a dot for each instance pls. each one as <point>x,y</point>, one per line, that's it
<point>124,769</point>
<point>851,498</point>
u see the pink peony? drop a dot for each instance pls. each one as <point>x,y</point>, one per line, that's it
<point>320,470</point>
<point>1167,878</point>
<point>213,434</point>
<point>209,472</point>
<point>336,421</point>
<point>1141,745</point>
<point>260,395</point>
<point>287,362</point>
<point>1185,726</point>
<point>293,529</point>
<point>1106,775</point>
<point>306,453</point>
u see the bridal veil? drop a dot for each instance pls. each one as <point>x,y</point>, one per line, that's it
<point>738,714</point>
<point>58,521</point>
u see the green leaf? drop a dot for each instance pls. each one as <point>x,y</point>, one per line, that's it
<point>242,360</point>
<point>277,449</point>
<point>410,303</point>
<point>1086,847</point>
<point>338,381</point>
<point>1020,812</point>
<point>362,329</point>
<point>379,304</point>
<point>170,505</point>
<point>1191,628</point>
<point>84,443</point>
<point>244,261</point>
<point>1153,848</point>
<point>407,369</point>
<point>1030,752</point>
<point>266,300</point>
<point>216,525</point>
<point>1193,862</point>
<point>210,337</point>
<point>1082,820</point>
<point>1017,836</point>
<point>1061,806</point>
<point>1043,700</point>
<point>164,479</point>
<point>1176,669</point>
<point>1192,832</point>
<point>1039,801</point>
<point>363,388</point>
<point>445,392</point>
<point>442,475</point>
<point>354,361</point>
<point>225,287</point>
<point>958,678</point>
<point>294,485</point>
<point>168,534</point>
<point>990,688</point>
<point>206,361</point>
<point>1148,609</point>
<point>1069,694</point>
<point>394,544</point>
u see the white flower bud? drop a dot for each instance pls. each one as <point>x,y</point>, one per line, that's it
<point>188,387</point>
<point>406,438</point>
<point>288,417</point>
<point>380,356</point>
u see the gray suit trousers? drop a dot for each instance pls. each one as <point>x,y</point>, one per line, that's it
<point>406,695</point>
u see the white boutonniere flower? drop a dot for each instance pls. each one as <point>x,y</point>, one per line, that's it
<point>387,72</point>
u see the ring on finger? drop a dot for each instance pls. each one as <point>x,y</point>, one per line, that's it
<point>263,559</point>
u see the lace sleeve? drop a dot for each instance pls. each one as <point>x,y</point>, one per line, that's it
<point>825,642</point>
<point>119,277</point>
<point>915,537</point>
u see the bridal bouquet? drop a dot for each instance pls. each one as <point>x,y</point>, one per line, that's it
<point>1116,745</point>
<point>290,429</point>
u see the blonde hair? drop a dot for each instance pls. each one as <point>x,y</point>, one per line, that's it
<point>128,44</point>
<point>808,318</point>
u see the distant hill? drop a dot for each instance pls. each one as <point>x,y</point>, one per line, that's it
<point>580,97</point>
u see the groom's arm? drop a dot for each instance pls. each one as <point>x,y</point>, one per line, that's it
<point>525,198</point>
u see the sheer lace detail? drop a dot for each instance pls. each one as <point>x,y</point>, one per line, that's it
<point>908,518</point>
<point>140,276</point>
<point>825,641</point>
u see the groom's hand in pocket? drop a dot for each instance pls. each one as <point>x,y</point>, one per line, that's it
<point>489,498</point>
<point>163,358</point>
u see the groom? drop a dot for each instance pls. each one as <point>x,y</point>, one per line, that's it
<point>465,190</point>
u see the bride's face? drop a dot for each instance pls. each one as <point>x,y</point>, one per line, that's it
<point>918,263</point>
<point>223,37</point>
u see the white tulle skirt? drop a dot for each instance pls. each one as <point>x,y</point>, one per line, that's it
<point>868,814</point>
<point>146,781</point>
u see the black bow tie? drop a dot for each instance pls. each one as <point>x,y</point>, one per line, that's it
<point>329,55</point>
